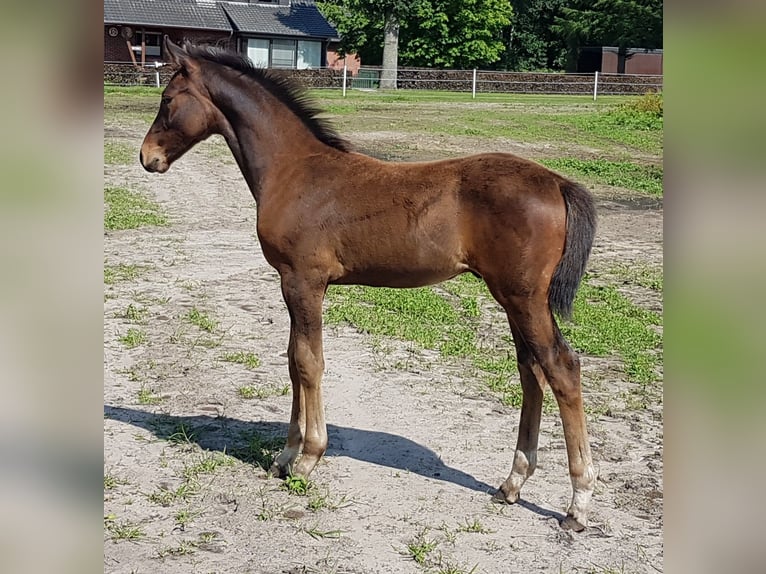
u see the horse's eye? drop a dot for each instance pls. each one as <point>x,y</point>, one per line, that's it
<point>166,100</point>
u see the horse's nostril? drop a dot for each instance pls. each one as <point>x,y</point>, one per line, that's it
<point>141,157</point>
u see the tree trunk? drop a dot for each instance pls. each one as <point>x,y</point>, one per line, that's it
<point>390,52</point>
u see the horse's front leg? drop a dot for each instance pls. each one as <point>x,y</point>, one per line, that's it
<point>307,430</point>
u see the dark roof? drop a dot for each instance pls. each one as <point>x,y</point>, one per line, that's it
<point>299,18</point>
<point>167,13</point>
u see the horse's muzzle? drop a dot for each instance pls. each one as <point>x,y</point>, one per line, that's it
<point>153,162</point>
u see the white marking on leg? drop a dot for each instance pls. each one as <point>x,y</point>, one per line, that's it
<point>524,464</point>
<point>582,487</point>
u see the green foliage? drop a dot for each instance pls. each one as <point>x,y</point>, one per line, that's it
<point>133,338</point>
<point>646,178</point>
<point>201,320</point>
<point>298,485</point>
<point>532,44</point>
<point>116,153</point>
<point>607,323</point>
<point>621,23</point>
<point>129,210</point>
<point>247,359</point>
<point>441,33</point>
<point>260,450</point>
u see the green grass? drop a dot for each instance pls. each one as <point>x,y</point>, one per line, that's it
<point>614,124</point>
<point>121,272</point>
<point>639,274</point>
<point>130,210</point>
<point>146,396</point>
<point>253,392</point>
<point>244,358</point>
<point>201,320</point>
<point>122,530</point>
<point>132,313</point>
<point>298,485</point>
<point>644,178</point>
<point>133,338</point>
<point>116,153</point>
<point>605,323</point>
<point>260,450</point>
<point>420,548</point>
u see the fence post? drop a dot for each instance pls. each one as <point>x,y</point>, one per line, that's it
<point>595,86</point>
<point>345,72</point>
<point>473,86</point>
<point>157,74</point>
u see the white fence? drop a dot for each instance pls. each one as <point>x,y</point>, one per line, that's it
<point>474,81</point>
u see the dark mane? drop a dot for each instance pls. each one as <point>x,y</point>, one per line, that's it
<point>287,91</point>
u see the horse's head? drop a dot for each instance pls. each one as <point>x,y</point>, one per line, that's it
<point>186,115</point>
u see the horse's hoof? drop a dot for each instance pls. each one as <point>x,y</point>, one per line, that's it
<point>277,471</point>
<point>503,498</point>
<point>571,523</point>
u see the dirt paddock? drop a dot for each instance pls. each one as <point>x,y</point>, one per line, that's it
<point>415,445</point>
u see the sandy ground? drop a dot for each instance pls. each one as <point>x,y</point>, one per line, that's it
<point>416,446</point>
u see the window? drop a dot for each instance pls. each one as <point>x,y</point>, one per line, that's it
<point>309,54</point>
<point>153,43</point>
<point>280,53</point>
<point>258,52</point>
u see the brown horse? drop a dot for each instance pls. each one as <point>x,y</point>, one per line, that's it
<point>328,215</point>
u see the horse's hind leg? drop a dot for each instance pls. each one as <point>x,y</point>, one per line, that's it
<point>525,457</point>
<point>307,431</point>
<point>534,325</point>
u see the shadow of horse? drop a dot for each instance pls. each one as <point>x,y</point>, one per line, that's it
<point>230,435</point>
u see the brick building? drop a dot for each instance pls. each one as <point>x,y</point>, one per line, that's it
<point>289,34</point>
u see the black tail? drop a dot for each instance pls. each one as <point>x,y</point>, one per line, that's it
<point>581,228</point>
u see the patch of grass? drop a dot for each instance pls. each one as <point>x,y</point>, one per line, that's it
<point>298,485</point>
<point>639,274</point>
<point>260,450</point>
<point>146,396</point>
<point>420,548</point>
<point>201,320</point>
<point>133,338</point>
<point>165,497</point>
<point>320,499</point>
<point>253,392</point>
<point>117,153</point>
<point>121,272</point>
<point>474,526</point>
<point>208,465</point>
<point>184,517</point>
<point>607,323</point>
<point>184,548</point>
<point>418,315</point>
<point>645,178</point>
<point>247,359</point>
<point>123,530</point>
<point>132,313</point>
<point>130,210</point>
<point>111,482</point>
<point>182,435</point>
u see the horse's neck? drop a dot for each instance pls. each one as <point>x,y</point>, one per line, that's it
<point>259,130</point>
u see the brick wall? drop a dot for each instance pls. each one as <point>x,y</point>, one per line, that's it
<point>116,49</point>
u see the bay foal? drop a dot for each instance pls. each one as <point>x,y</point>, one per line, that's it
<point>328,215</point>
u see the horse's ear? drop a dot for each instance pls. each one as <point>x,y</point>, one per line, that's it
<point>177,55</point>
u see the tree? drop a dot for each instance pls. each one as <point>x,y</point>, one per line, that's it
<point>453,34</point>
<point>532,44</point>
<point>621,23</point>
<point>359,19</point>
<point>444,33</point>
